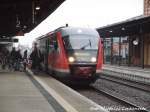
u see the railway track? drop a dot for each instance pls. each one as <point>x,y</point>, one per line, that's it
<point>113,94</point>
<point>133,84</point>
<point>111,102</point>
<point>122,100</point>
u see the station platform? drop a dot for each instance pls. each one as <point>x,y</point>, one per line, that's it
<point>131,73</point>
<point>18,94</point>
<point>28,92</point>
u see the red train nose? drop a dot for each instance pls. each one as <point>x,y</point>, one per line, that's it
<point>83,70</point>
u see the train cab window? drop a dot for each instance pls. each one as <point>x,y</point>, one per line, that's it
<point>81,42</point>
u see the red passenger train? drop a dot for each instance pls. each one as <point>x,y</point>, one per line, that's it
<point>72,54</point>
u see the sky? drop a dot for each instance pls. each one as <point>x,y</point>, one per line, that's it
<point>86,13</point>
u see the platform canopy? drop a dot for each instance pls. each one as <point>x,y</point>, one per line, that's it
<point>133,26</point>
<point>20,16</point>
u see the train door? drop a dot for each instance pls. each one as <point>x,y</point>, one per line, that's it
<point>46,53</point>
<point>51,52</point>
<point>147,50</point>
<point>148,53</point>
<point>55,47</point>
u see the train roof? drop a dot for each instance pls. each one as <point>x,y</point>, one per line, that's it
<point>72,31</point>
<point>77,30</point>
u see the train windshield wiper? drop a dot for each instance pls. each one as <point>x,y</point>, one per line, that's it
<point>86,45</point>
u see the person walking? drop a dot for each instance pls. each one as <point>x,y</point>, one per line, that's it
<point>12,58</point>
<point>4,56</point>
<point>18,59</point>
<point>36,57</point>
<point>25,59</point>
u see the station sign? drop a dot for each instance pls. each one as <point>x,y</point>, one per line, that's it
<point>8,40</point>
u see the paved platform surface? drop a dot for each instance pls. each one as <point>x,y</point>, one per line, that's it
<point>69,99</point>
<point>18,94</point>
<point>28,92</point>
<point>132,73</point>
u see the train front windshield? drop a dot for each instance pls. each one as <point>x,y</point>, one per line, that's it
<point>81,48</point>
<point>80,42</point>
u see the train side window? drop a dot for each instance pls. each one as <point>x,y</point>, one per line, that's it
<point>54,42</point>
<point>51,46</point>
<point>55,45</point>
<point>66,41</point>
<point>50,43</point>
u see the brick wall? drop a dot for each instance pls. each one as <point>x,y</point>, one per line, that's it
<point>146,7</point>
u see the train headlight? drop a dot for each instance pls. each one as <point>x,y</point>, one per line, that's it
<point>93,59</point>
<point>71,59</point>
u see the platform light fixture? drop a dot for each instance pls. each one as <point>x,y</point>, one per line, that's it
<point>122,28</point>
<point>136,41</point>
<point>110,31</point>
<point>37,7</point>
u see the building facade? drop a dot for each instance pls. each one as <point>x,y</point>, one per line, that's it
<point>147,36</point>
<point>146,7</point>
<point>127,43</point>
